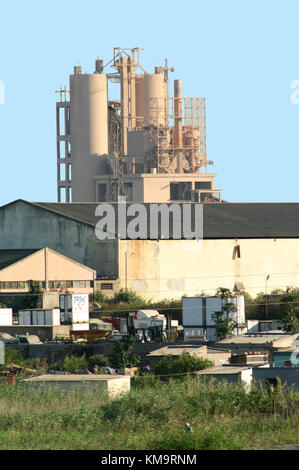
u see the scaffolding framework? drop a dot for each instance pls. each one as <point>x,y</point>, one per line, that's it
<point>164,147</point>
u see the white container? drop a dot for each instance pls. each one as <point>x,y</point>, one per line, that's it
<point>80,308</point>
<point>34,317</point>
<point>41,317</point>
<point>192,311</point>
<point>25,317</point>
<point>74,308</point>
<point>5,316</point>
<point>52,317</point>
<point>196,308</point>
<point>213,304</point>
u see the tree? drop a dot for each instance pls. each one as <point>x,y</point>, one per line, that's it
<point>224,322</point>
<point>123,355</point>
<point>34,294</point>
<point>289,311</point>
<point>224,293</point>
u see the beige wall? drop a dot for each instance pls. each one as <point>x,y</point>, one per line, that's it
<point>60,268</point>
<point>172,268</point>
<point>156,188</point>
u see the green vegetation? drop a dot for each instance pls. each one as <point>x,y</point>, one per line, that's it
<point>97,297</point>
<point>183,364</point>
<point>98,360</point>
<point>223,322</point>
<point>123,355</point>
<point>282,305</point>
<point>222,416</point>
<point>125,301</point>
<point>32,299</point>
<point>74,363</point>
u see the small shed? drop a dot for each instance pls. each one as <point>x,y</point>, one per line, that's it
<point>114,385</point>
<point>231,374</point>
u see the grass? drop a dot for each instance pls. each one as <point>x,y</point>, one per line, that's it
<point>151,417</point>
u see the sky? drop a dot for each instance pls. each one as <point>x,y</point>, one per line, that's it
<point>243,57</point>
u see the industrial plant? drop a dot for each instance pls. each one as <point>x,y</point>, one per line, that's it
<point>147,146</point>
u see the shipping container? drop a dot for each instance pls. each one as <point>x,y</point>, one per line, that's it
<point>199,311</point>
<point>5,316</point>
<point>25,317</point>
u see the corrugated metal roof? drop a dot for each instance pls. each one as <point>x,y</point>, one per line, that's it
<point>229,220</point>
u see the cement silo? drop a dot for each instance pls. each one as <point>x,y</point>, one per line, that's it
<point>152,99</point>
<point>89,132</point>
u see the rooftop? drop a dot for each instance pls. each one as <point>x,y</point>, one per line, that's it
<point>258,338</point>
<point>75,377</point>
<point>221,220</point>
<point>9,257</point>
<point>223,370</point>
<point>176,350</point>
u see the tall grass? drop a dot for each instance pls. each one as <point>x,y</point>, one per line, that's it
<point>152,416</point>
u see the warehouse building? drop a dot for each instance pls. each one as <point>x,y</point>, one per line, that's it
<point>245,246</point>
<point>53,271</point>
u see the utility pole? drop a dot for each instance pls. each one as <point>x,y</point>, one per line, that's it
<point>267,279</point>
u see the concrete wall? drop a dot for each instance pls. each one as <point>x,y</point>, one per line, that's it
<point>53,352</point>
<point>157,187</point>
<point>243,377</point>
<point>287,375</point>
<point>25,226</point>
<point>112,385</point>
<point>173,268</point>
<point>42,331</point>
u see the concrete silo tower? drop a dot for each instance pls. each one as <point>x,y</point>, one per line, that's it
<point>82,136</point>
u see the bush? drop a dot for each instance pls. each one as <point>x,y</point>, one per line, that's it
<point>98,360</point>
<point>13,356</point>
<point>97,297</point>
<point>128,297</point>
<point>72,363</point>
<point>183,364</point>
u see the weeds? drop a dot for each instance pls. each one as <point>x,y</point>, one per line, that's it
<point>223,416</point>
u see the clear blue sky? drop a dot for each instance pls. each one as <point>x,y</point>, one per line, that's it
<point>241,55</point>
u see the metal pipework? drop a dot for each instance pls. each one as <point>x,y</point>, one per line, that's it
<point>178,117</point>
<point>178,125</point>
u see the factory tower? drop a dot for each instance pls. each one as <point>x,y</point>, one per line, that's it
<point>147,146</point>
